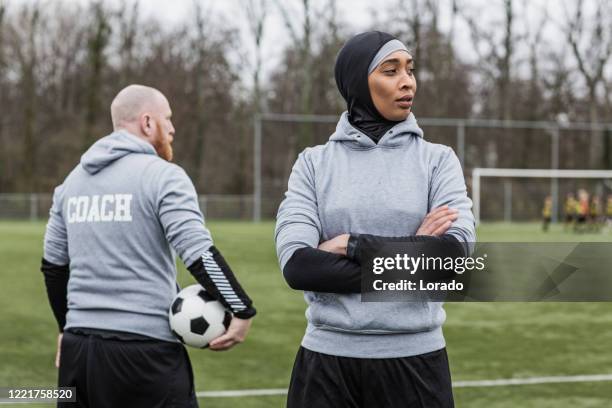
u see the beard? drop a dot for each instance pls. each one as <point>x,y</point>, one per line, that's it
<point>162,146</point>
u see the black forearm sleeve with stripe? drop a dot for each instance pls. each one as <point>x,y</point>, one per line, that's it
<point>56,281</point>
<point>214,274</point>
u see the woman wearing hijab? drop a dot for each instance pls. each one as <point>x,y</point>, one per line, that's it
<point>376,181</point>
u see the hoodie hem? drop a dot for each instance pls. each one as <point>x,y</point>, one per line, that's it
<point>146,325</point>
<point>357,345</point>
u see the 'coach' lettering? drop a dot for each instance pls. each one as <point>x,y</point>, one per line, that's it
<point>107,215</point>
<point>96,208</point>
<point>71,209</point>
<point>94,211</point>
<point>82,205</point>
<point>122,207</point>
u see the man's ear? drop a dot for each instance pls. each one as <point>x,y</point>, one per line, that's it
<point>146,124</point>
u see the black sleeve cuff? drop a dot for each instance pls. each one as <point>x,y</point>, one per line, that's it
<point>56,282</point>
<point>247,313</point>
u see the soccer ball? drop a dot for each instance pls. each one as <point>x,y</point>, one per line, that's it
<point>196,318</point>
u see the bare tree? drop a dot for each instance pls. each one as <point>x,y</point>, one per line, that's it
<point>302,40</point>
<point>591,45</point>
<point>3,154</point>
<point>301,36</point>
<point>495,55</point>
<point>607,85</point>
<point>534,107</point>
<point>256,13</point>
<point>128,26</point>
<point>98,41</point>
<point>199,45</point>
<point>24,48</point>
<point>61,56</point>
<point>534,42</point>
<point>61,64</point>
<point>505,60</point>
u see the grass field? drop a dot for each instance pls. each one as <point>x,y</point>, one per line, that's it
<point>485,340</point>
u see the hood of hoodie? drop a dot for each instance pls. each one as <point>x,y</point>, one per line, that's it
<point>112,148</point>
<point>396,136</point>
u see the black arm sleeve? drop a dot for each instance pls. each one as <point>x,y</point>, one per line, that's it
<point>215,275</point>
<point>321,271</point>
<point>56,281</point>
<point>362,246</point>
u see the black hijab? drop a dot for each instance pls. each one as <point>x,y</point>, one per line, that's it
<point>351,73</point>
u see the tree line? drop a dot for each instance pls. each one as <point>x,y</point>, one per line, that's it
<point>61,63</point>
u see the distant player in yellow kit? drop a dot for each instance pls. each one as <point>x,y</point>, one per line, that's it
<point>609,212</point>
<point>595,213</point>
<point>546,213</point>
<point>582,210</point>
<point>570,210</point>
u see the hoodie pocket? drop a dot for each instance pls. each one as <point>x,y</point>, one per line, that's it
<point>347,313</point>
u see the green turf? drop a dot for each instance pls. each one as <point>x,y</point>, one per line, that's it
<point>485,341</point>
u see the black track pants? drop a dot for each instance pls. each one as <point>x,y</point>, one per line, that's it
<point>325,381</point>
<point>109,373</point>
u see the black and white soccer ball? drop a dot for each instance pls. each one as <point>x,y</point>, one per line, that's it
<point>196,318</point>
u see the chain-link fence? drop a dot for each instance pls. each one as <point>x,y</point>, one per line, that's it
<point>278,138</point>
<point>36,206</point>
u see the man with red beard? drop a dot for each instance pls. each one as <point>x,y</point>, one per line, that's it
<point>116,223</point>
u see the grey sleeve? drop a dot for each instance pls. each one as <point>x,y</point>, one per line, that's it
<point>180,216</point>
<point>297,222</point>
<point>183,223</point>
<point>56,238</point>
<point>448,188</point>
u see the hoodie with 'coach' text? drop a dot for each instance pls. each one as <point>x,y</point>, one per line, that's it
<point>118,220</point>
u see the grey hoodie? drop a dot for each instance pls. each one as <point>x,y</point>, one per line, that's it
<point>352,185</point>
<point>118,220</point>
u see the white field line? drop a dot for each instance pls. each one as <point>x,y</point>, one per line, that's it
<point>457,384</point>
<point>242,393</point>
<point>533,380</point>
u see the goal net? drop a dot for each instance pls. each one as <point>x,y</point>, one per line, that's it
<point>519,194</point>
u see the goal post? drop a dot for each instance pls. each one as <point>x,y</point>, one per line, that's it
<point>553,174</point>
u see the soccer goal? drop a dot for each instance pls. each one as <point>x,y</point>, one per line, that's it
<point>553,174</point>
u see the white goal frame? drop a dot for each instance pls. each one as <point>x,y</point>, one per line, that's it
<point>553,174</point>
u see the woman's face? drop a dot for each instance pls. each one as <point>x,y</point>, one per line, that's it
<point>393,86</point>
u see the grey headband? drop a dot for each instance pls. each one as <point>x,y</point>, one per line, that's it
<point>389,48</point>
